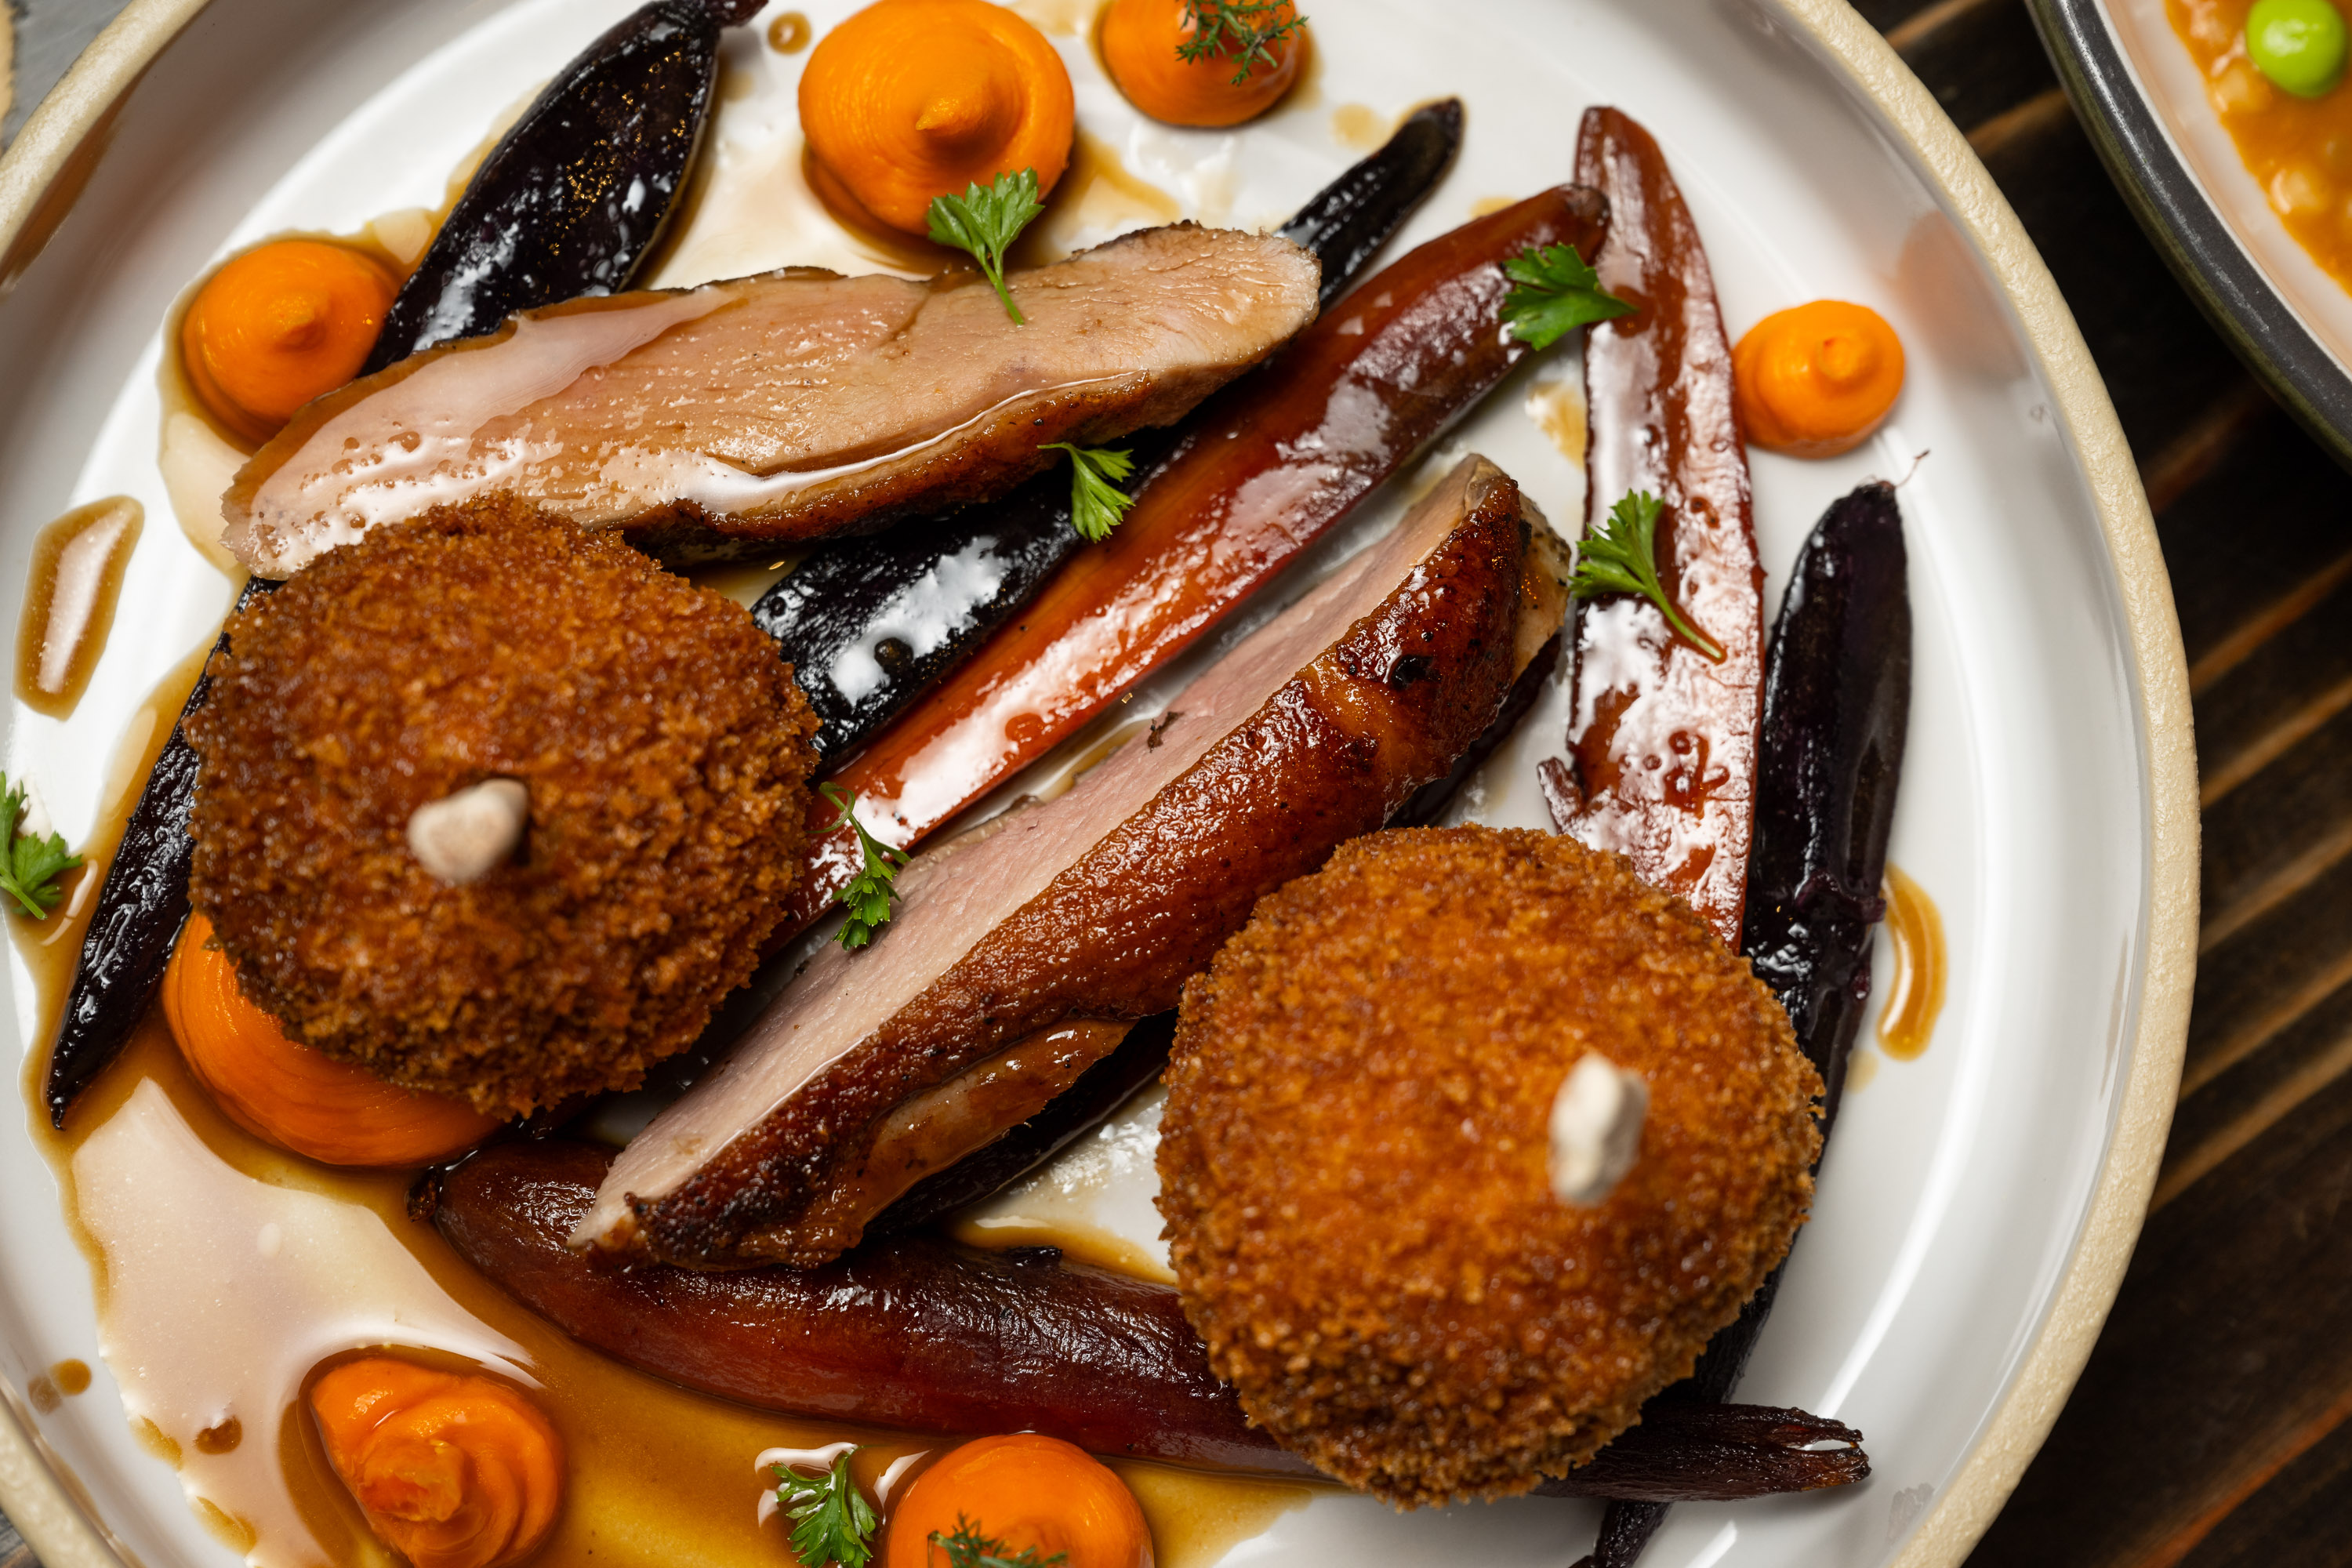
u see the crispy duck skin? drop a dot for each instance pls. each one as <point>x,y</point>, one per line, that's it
<point>1663,739</point>
<point>1273,467</point>
<point>917,1333</point>
<point>1022,951</point>
<point>721,422</point>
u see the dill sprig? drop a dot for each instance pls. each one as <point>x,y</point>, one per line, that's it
<point>1244,31</point>
<point>967,1548</point>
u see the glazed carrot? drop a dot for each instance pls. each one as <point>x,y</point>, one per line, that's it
<point>279,325</point>
<point>1144,44</point>
<point>1816,380</point>
<point>1026,1493</point>
<point>452,1472</point>
<point>909,100</point>
<point>281,1090</point>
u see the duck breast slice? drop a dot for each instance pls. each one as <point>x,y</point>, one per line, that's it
<point>1020,950</point>
<point>722,421</point>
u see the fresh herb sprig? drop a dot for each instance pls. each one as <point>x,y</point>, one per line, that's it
<point>869,893</point>
<point>31,864</point>
<point>1553,292</point>
<point>986,223</point>
<point>967,1548</point>
<point>1623,559</point>
<point>1097,503</point>
<point>831,1520</point>
<point>1244,31</point>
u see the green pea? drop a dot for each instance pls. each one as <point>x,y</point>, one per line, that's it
<point>2298,44</point>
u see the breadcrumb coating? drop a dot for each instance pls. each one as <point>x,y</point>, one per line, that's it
<point>1353,1157</point>
<point>666,747</point>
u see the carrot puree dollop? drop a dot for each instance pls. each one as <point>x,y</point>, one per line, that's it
<point>1141,45</point>
<point>287,1093</point>
<point>909,100</point>
<point>454,1471</point>
<point>1026,1492</point>
<point>1816,380</point>
<point>279,325</point>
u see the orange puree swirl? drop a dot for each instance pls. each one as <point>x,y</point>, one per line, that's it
<point>1139,44</point>
<point>1816,380</point>
<point>909,100</point>
<point>279,325</point>
<point>452,1471</point>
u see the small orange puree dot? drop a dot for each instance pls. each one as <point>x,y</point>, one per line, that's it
<point>909,100</point>
<point>1816,380</point>
<point>1028,1493</point>
<point>279,325</point>
<point>1139,44</point>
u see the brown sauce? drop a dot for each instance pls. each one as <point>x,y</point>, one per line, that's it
<point>2298,150</point>
<point>1916,928</point>
<point>657,1475</point>
<point>76,576</point>
<point>789,32</point>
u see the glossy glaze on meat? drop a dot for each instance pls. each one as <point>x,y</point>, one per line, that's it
<point>1663,739</point>
<point>1278,463</point>
<point>720,421</point>
<point>917,1333</point>
<point>870,624</point>
<point>1098,904</point>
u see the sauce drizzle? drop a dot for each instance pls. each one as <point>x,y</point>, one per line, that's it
<point>76,575</point>
<point>1916,928</point>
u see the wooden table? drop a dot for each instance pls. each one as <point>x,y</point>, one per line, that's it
<point>2211,1428</point>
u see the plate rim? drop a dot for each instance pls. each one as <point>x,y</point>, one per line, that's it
<point>42,171</point>
<point>2186,225</point>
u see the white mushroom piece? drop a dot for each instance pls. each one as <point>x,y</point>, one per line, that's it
<point>463,837</point>
<point>1596,1129</point>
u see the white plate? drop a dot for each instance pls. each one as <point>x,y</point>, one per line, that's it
<point>1978,1204</point>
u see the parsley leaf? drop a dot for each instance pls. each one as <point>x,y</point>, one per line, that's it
<point>968,1548</point>
<point>29,864</point>
<point>986,222</point>
<point>832,1518</point>
<point>868,894</point>
<point>1097,503</point>
<point>1553,292</point>
<point>1623,559</point>
<point>1244,31</point>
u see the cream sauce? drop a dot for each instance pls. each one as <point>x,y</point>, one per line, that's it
<point>75,578</point>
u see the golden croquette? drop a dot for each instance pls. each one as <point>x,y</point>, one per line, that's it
<point>1353,1152</point>
<point>666,751</point>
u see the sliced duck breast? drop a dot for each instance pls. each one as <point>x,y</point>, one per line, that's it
<point>722,421</point>
<point>1021,952</point>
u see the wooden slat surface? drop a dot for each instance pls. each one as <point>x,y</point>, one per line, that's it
<point>2213,1425</point>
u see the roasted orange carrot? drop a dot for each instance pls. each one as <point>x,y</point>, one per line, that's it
<point>1181,62</point>
<point>282,1090</point>
<point>452,1471</point>
<point>279,325</point>
<point>909,100</point>
<point>1816,380</point>
<point>1023,1493</point>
